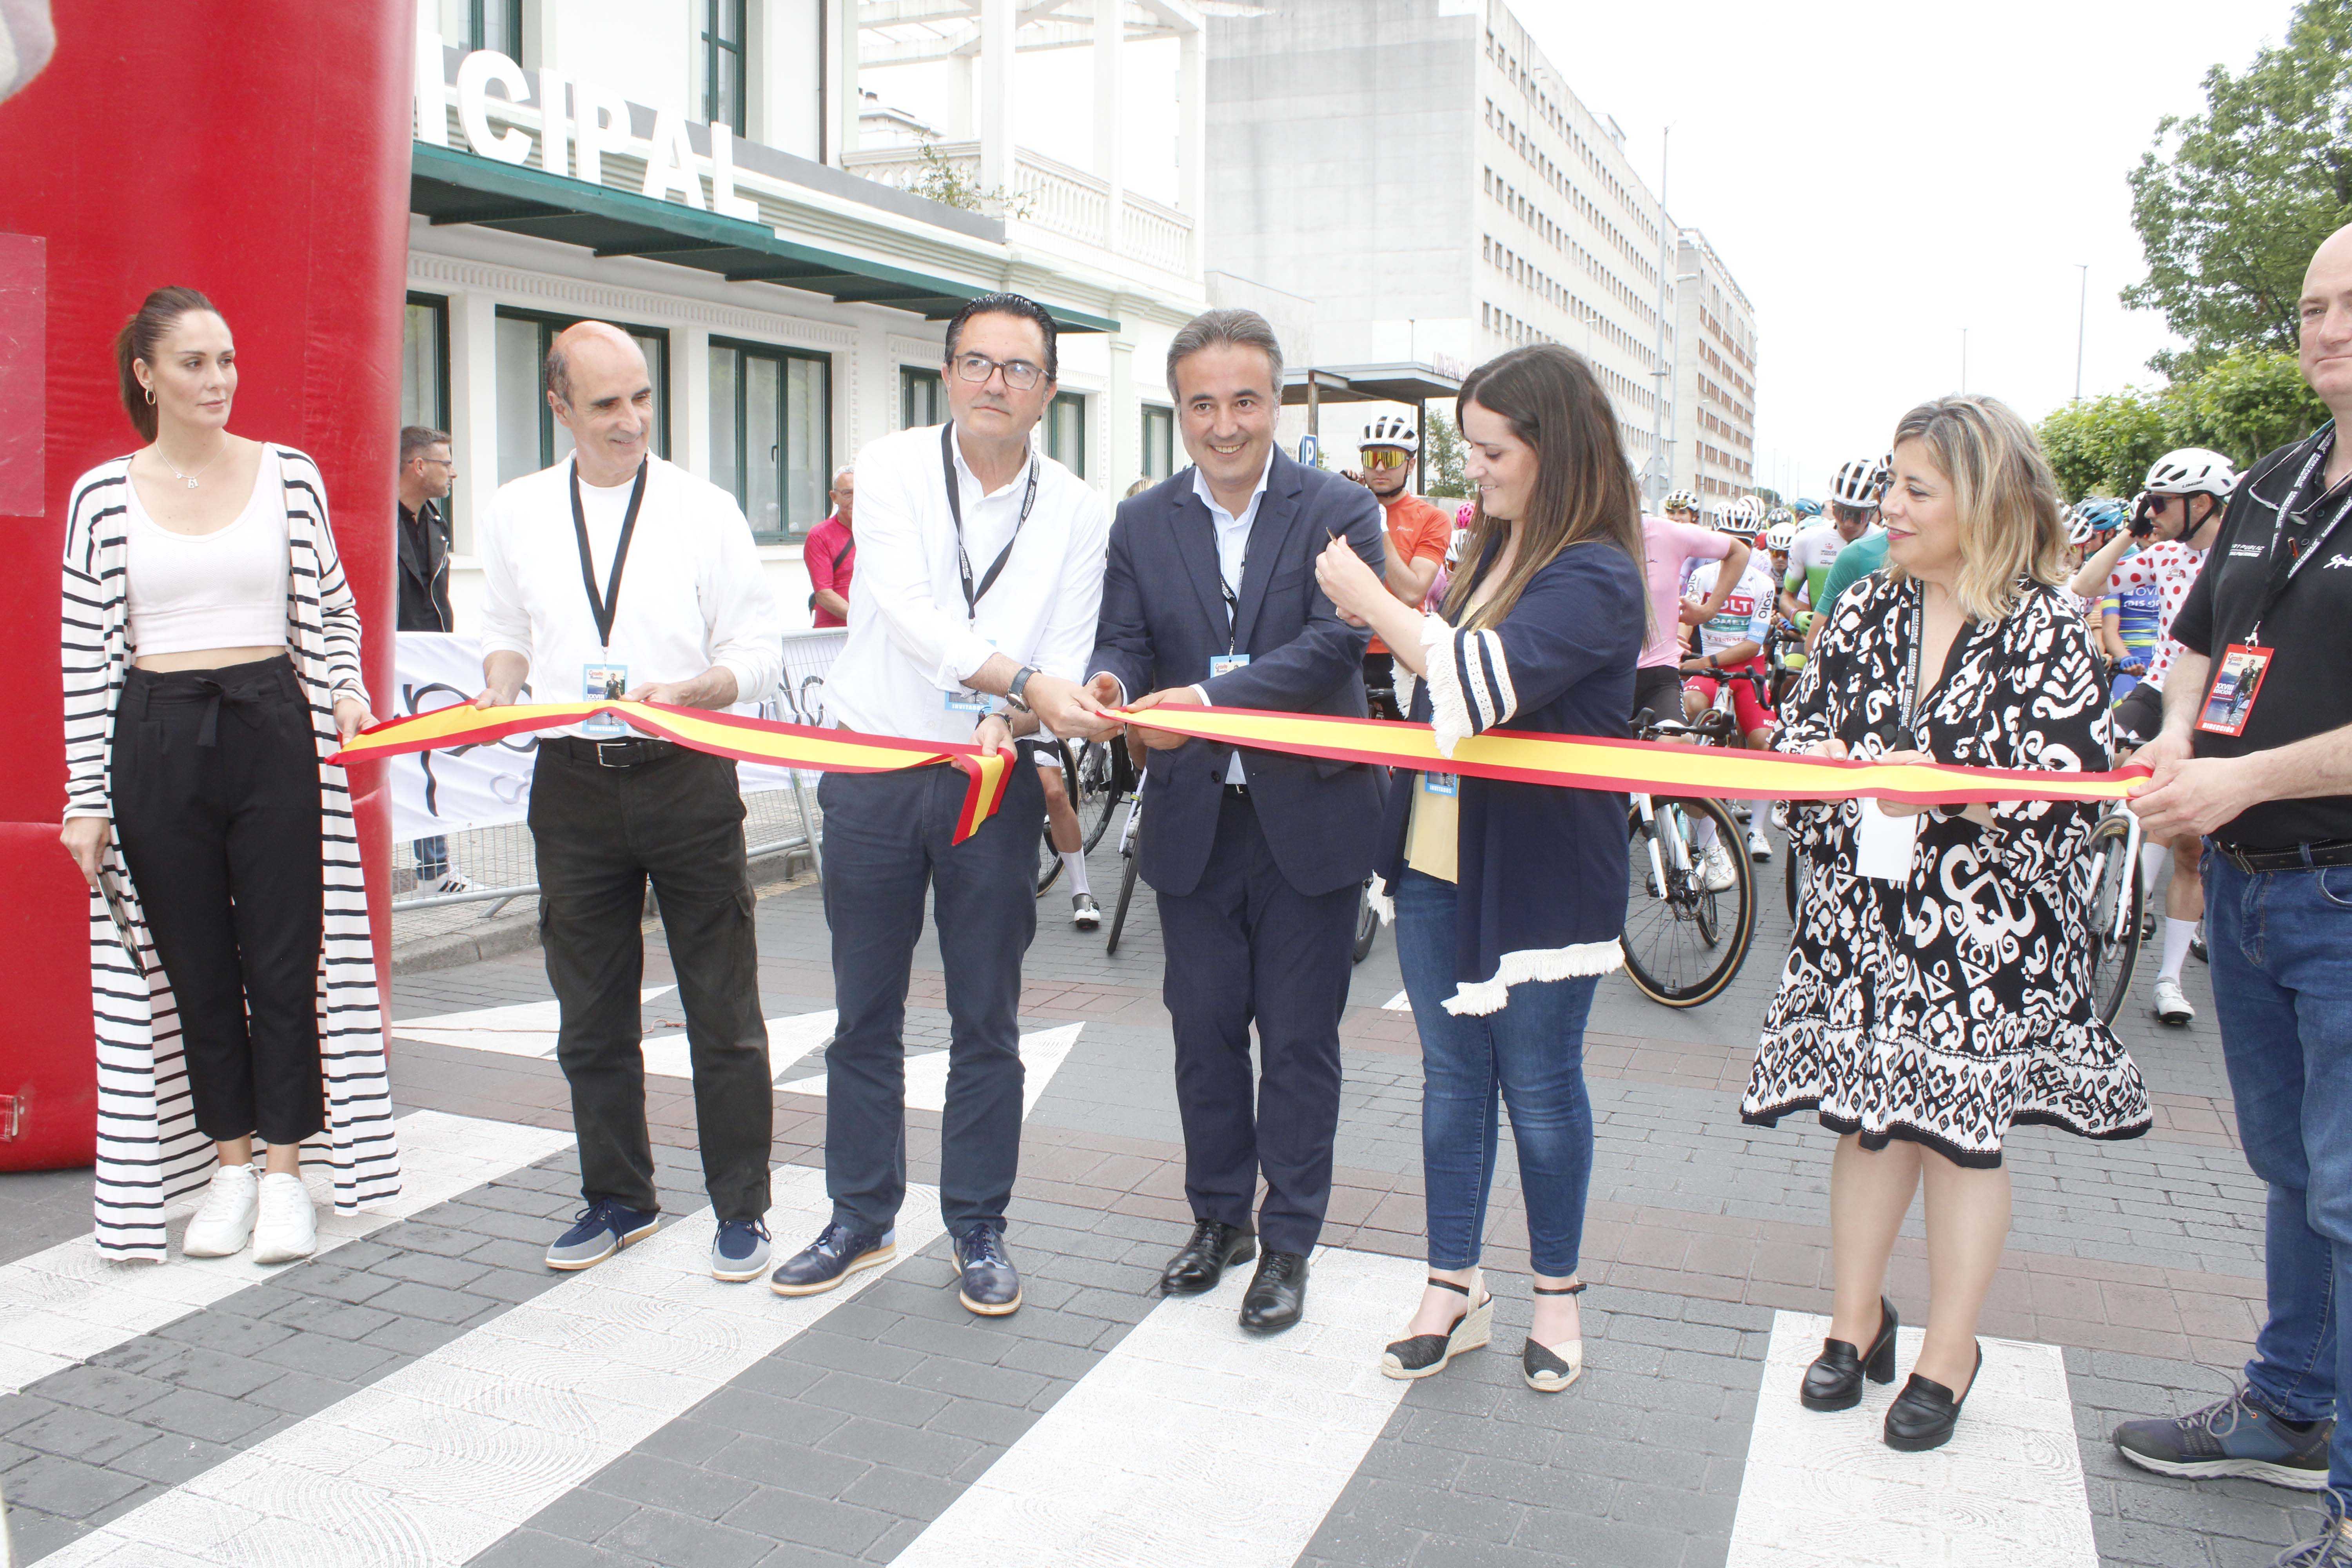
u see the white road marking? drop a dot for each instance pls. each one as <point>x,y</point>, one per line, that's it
<point>1191,1443</point>
<point>1400,1003</point>
<point>441,1457</point>
<point>1823,1490</point>
<point>1042,1055</point>
<point>529,1028</point>
<point>68,1303</point>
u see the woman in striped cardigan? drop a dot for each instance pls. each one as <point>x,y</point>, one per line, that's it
<point>211,654</point>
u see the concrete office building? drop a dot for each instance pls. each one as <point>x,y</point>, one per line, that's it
<point>692,169</point>
<point>1714,373</point>
<point>1420,171</point>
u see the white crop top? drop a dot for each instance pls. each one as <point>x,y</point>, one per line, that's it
<point>223,589</point>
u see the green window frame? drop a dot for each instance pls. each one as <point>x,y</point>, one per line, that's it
<point>529,437</point>
<point>484,24</point>
<point>1159,441</point>
<point>1065,431</point>
<point>424,373</point>
<point>724,57</point>
<point>763,390</point>
<point>922,398</point>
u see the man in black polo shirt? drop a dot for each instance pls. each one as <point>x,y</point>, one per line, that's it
<point>2256,758</point>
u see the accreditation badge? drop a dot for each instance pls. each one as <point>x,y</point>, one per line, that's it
<point>1446,785</point>
<point>1225,663</point>
<point>2229,699</point>
<point>604,683</point>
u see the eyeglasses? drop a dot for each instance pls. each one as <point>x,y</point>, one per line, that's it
<point>1019,374</point>
<point>1382,458</point>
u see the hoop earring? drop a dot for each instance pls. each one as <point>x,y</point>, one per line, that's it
<point>151,397</point>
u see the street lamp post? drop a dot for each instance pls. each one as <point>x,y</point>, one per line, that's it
<point>2082,308</point>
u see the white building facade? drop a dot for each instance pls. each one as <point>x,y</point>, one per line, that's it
<point>1420,171</point>
<point>690,170</point>
<point>1715,367</point>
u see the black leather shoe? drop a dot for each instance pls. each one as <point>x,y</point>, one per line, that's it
<point>1276,1293</point>
<point>1834,1380</point>
<point>1924,1413</point>
<point>987,1283</point>
<point>1214,1247</point>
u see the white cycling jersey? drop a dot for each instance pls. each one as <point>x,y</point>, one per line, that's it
<point>1747,613</point>
<point>1810,560</point>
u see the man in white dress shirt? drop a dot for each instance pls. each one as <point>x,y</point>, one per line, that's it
<point>980,565</point>
<point>615,572</point>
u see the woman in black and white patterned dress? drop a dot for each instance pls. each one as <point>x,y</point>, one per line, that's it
<point>1938,991</point>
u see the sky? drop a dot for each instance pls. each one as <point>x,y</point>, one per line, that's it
<point>1879,178</point>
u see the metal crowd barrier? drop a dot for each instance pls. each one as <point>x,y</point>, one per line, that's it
<point>500,865</point>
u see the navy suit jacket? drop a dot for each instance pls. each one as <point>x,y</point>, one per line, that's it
<point>1163,615</point>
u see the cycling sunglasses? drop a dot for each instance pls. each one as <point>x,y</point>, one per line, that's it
<point>1383,458</point>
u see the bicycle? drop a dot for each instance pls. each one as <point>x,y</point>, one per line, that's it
<point>1682,941</point>
<point>1127,784</point>
<point>1086,779</point>
<point>1381,703</point>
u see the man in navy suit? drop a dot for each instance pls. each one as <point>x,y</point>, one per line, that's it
<point>1210,597</point>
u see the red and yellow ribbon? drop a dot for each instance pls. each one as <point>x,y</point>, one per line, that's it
<point>1586,762</point>
<point>721,734</point>
<point>1572,761</point>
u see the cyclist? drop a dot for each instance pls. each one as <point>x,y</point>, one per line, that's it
<point>2090,525</point>
<point>1854,507</point>
<point>1062,829</point>
<point>1670,545</point>
<point>1779,534</point>
<point>1806,510</point>
<point>1418,537</point>
<point>1732,641</point>
<point>2176,519</point>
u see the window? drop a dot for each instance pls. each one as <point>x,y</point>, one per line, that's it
<point>722,64</point>
<point>424,372</point>
<point>1159,442</point>
<point>529,437</point>
<point>922,400</point>
<point>1065,431</point>
<point>484,24</point>
<point>772,434</point>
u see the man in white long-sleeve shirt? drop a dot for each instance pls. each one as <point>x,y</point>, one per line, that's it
<point>615,574</point>
<point>979,569</point>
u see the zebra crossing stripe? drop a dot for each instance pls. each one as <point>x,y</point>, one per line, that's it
<point>441,1457</point>
<point>1041,1055</point>
<point>528,1029</point>
<point>1191,1443</point>
<point>66,1303</point>
<point>1822,1492</point>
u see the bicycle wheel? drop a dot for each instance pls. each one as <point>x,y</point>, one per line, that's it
<point>1126,893</point>
<point>2115,889</point>
<point>1367,921</point>
<point>1096,793</point>
<point>1681,944</point>
<point>1791,877</point>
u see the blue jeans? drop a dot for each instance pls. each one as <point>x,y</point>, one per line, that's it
<point>432,858</point>
<point>2282,965</point>
<point>1531,1056</point>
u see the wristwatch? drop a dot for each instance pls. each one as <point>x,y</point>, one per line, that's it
<point>1020,684</point>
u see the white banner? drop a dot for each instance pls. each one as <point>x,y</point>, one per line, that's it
<point>489,786</point>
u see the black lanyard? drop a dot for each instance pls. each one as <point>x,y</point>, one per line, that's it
<point>607,605</point>
<point>973,596</point>
<point>2282,565</point>
<point>1906,737</point>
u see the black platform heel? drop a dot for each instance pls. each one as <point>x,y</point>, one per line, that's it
<point>1423,1355</point>
<point>1547,1369</point>
<point>1924,1413</point>
<point>1834,1380</point>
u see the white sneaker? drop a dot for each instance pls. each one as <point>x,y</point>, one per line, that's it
<point>224,1221</point>
<point>288,1228</point>
<point>1760,847</point>
<point>455,882</point>
<point>1715,872</point>
<point>2171,1006</point>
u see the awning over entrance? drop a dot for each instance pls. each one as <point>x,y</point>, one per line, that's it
<point>1413,383</point>
<point>451,187</point>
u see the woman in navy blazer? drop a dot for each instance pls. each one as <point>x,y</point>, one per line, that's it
<point>1509,897</point>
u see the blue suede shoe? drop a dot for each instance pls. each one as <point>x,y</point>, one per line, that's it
<point>837,1252</point>
<point>600,1230</point>
<point>989,1285</point>
<point>740,1250</point>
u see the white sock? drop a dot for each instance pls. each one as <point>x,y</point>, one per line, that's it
<point>2176,935</point>
<point>1702,832</point>
<point>1076,861</point>
<point>1763,810</point>
<point>2151,861</point>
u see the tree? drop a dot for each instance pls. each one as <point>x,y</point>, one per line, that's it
<point>2228,220</point>
<point>2103,445</point>
<point>1441,457</point>
<point>2243,405</point>
<point>1769,496</point>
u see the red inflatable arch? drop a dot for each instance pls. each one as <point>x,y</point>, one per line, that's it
<point>256,150</point>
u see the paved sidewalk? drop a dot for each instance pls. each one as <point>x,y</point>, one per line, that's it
<point>427,1392</point>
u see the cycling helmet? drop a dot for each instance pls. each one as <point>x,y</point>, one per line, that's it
<point>1391,430</point>
<point>2094,515</point>
<point>1858,484</point>
<point>1780,536</point>
<point>1679,501</point>
<point>1809,509</point>
<point>2192,471</point>
<point>1779,514</point>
